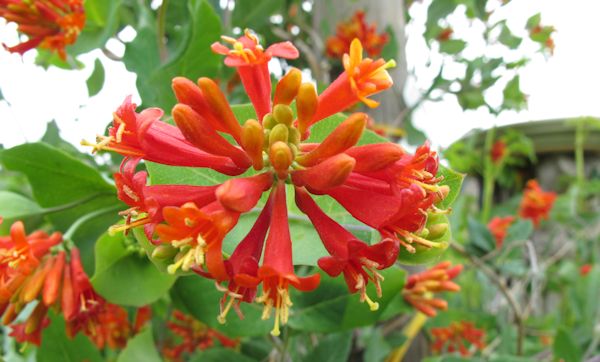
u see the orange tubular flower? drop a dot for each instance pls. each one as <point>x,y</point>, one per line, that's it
<point>277,271</point>
<point>49,24</point>
<point>251,61</point>
<point>420,288</point>
<point>193,336</point>
<point>356,27</point>
<point>454,337</point>
<point>498,226</point>
<point>393,192</point>
<point>361,78</point>
<point>536,203</point>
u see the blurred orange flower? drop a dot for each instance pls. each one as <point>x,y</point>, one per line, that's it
<point>536,203</point>
<point>356,27</point>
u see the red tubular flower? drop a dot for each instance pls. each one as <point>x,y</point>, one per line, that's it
<point>147,202</point>
<point>585,269</point>
<point>193,335</point>
<point>49,24</point>
<point>144,135</point>
<point>242,267</point>
<point>31,330</point>
<point>361,78</point>
<point>498,226</point>
<point>454,337</point>
<point>356,27</point>
<point>198,234</point>
<point>251,62</point>
<point>277,271</point>
<point>20,255</point>
<point>357,260</point>
<point>498,151</point>
<point>536,203</point>
<point>420,288</point>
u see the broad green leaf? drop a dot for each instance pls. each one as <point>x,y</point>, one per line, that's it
<point>514,98</point>
<point>481,240</point>
<point>255,14</point>
<point>333,347</point>
<point>507,38</point>
<point>199,297</point>
<point>14,206</point>
<point>140,348</point>
<point>220,354</point>
<point>101,23</point>
<point>470,98</point>
<point>96,79</point>
<point>565,346</point>
<point>57,347</point>
<point>438,10</point>
<point>534,21</point>
<point>59,179</point>
<point>453,180</point>
<point>452,46</point>
<point>331,308</point>
<point>143,283</point>
<point>520,230</point>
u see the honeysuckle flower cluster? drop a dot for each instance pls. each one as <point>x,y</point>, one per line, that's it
<point>356,28</point>
<point>192,336</point>
<point>456,337</point>
<point>34,269</point>
<point>420,288</point>
<point>498,226</point>
<point>536,203</point>
<point>49,24</point>
<point>381,185</point>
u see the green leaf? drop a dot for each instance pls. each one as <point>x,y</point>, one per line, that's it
<point>453,180</point>
<point>439,9</point>
<point>534,21</point>
<point>470,98</point>
<point>96,79</point>
<point>513,97</point>
<point>219,354</point>
<point>57,347</point>
<point>452,46</point>
<point>14,206</point>
<point>507,38</point>
<point>143,284</point>
<point>58,179</point>
<point>255,14</point>
<point>331,308</point>
<point>521,230</point>
<point>565,346</point>
<point>199,297</point>
<point>140,348</point>
<point>331,348</point>
<point>101,23</point>
<point>481,240</point>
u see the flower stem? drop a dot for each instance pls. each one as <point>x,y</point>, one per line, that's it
<point>580,161</point>
<point>161,33</point>
<point>410,332</point>
<point>489,176</point>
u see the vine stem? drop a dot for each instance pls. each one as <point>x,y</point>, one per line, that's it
<point>580,161</point>
<point>410,332</point>
<point>494,278</point>
<point>488,175</point>
<point>162,20</point>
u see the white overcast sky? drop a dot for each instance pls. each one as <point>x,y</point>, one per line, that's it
<point>566,85</point>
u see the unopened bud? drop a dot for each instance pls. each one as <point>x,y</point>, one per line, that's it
<point>163,252</point>
<point>219,105</point>
<point>294,137</point>
<point>283,114</point>
<point>242,194</point>
<point>287,87</point>
<point>253,142</point>
<point>279,133</point>
<point>375,156</point>
<point>268,121</point>
<point>281,158</point>
<point>329,173</point>
<point>442,193</point>
<point>342,138</point>
<point>306,105</point>
<point>437,230</point>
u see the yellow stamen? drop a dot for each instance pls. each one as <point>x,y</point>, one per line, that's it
<point>222,318</point>
<point>127,226</point>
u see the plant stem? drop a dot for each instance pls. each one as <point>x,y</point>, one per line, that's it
<point>579,161</point>
<point>162,19</point>
<point>489,176</point>
<point>493,277</point>
<point>85,218</point>
<point>410,332</point>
